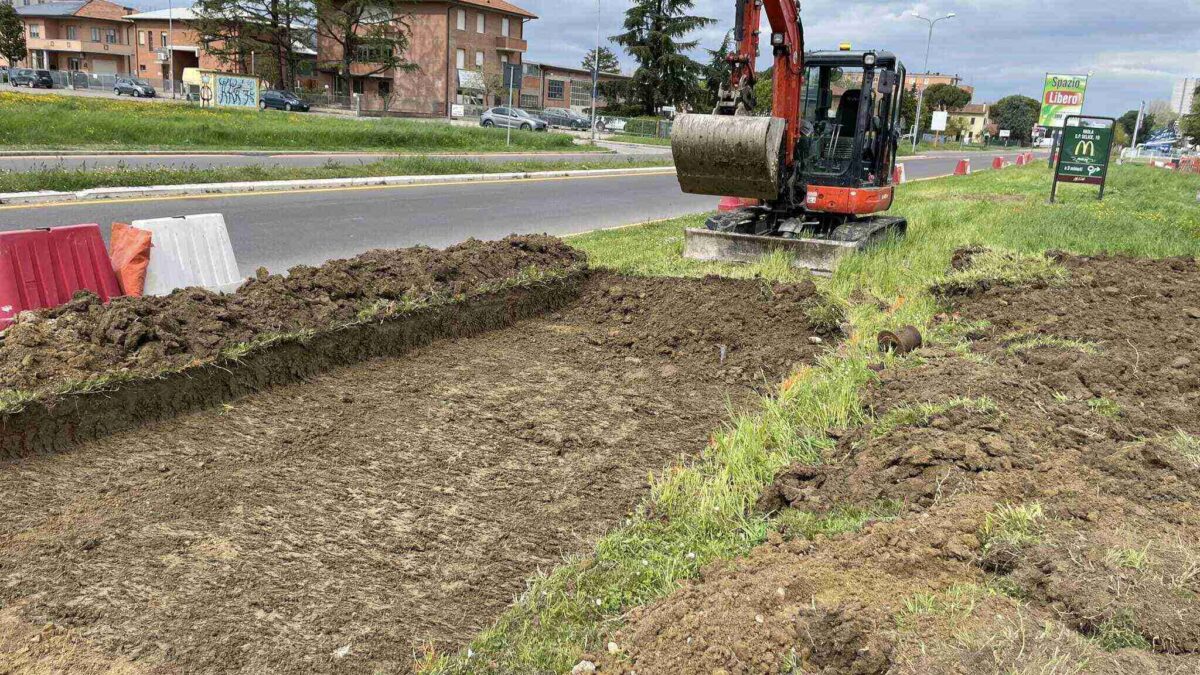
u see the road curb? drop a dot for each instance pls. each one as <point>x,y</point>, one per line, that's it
<point>278,153</point>
<point>98,194</point>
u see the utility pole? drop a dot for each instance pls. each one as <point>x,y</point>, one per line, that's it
<point>596,72</point>
<point>1137,129</point>
<point>171,47</point>
<point>921,96</point>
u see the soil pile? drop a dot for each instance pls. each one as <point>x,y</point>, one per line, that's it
<point>349,523</point>
<point>1046,484</point>
<point>143,337</point>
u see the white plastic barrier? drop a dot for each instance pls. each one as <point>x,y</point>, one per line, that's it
<point>190,251</point>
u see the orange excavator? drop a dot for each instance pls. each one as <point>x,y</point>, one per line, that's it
<point>815,176</point>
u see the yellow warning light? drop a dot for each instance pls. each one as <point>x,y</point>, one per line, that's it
<point>845,46</point>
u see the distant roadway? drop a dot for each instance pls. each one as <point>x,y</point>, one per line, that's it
<point>279,230</point>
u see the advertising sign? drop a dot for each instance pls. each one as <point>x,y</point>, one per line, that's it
<point>940,119</point>
<point>1062,96</point>
<point>1083,152</point>
<point>1005,133</point>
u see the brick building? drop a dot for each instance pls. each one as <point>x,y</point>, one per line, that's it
<point>923,81</point>
<point>82,35</point>
<point>548,86</point>
<point>458,46</point>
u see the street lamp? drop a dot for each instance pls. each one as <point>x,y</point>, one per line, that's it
<point>595,72</point>
<point>921,97</point>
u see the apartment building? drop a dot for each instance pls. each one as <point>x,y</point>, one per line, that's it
<point>548,86</point>
<point>923,81</point>
<point>83,35</point>
<point>455,44</point>
<point>972,122</point>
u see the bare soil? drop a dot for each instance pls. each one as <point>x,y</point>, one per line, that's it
<point>85,339</point>
<point>351,522</point>
<point>1095,423</point>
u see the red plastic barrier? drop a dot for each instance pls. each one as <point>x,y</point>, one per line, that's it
<point>898,175</point>
<point>997,162</point>
<point>963,168</point>
<point>44,268</point>
<point>1021,160</point>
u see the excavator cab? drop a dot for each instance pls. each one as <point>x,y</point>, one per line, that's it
<point>850,107</point>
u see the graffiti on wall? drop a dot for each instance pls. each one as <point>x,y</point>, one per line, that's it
<point>229,91</point>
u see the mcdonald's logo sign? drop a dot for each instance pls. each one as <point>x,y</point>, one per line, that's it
<point>1085,149</point>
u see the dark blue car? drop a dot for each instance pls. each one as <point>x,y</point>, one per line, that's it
<point>281,100</point>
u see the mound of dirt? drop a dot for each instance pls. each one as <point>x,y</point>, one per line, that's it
<point>1048,489</point>
<point>143,337</point>
<point>353,521</point>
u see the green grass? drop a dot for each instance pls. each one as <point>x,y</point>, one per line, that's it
<point>906,149</point>
<point>794,523</point>
<point>82,178</point>
<point>1130,558</point>
<point>1186,445</point>
<point>1120,632</point>
<point>641,140</point>
<point>920,415</point>
<point>1013,524</point>
<point>1105,407</point>
<point>29,121</point>
<point>702,509</point>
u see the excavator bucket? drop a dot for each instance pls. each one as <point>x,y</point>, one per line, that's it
<point>728,155</point>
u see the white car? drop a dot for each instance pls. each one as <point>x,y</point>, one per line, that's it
<point>611,124</point>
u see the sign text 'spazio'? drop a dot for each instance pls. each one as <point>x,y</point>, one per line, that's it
<point>1062,95</point>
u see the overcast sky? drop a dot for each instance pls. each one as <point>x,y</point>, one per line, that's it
<point>1136,49</point>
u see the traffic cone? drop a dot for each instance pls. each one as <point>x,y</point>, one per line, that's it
<point>898,176</point>
<point>963,168</point>
<point>997,162</point>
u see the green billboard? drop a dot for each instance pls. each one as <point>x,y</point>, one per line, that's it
<point>1062,95</point>
<point>1085,152</point>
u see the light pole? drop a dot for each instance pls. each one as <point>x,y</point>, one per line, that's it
<point>921,96</point>
<point>171,47</point>
<point>595,72</point>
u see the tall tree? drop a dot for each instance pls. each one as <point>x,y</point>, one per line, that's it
<point>717,71</point>
<point>232,30</point>
<point>1191,123</point>
<point>656,34</point>
<point>608,61</point>
<point>1018,114</point>
<point>1128,121</point>
<point>946,97</point>
<point>12,35</point>
<point>371,33</point>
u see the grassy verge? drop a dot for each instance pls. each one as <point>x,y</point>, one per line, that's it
<point>642,140</point>
<point>82,178</point>
<point>701,511</point>
<point>906,149</point>
<point>30,121</point>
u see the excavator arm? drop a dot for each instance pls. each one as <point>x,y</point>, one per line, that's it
<point>747,156</point>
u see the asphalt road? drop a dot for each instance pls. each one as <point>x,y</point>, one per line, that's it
<point>284,229</point>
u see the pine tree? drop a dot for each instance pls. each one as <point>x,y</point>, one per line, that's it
<point>608,61</point>
<point>232,30</point>
<point>656,35</point>
<point>372,33</point>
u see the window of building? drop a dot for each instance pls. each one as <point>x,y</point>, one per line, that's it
<point>95,35</point>
<point>385,88</point>
<point>35,31</point>
<point>358,86</point>
<point>372,53</point>
<point>141,37</point>
<point>480,23</point>
<point>532,70</point>
<point>504,58</point>
<point>462,58</point>
<point>478,59</point>
<point>110,36</point>
<point>581,94</point>
<point>529,101</point>
<point>74,64</point>
<point>163,38</point>
<point>554,89</point>
<point>504,26</point>
<point>72,33</point>
<point>462,19</point>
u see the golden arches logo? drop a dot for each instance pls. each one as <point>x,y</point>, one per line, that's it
<point>1085,148</point>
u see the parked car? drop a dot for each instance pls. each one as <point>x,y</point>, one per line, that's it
<point>24,77</point>
<point>133,86</point>
<point>610,124</point>
<point>281,100</point>
<point>567,119</point>
<point>512,118</point>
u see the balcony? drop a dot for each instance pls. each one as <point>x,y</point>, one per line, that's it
<point>507,44</point>
<point>78,47</point>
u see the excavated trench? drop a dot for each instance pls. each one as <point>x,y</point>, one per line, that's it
<point>352,519</point>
